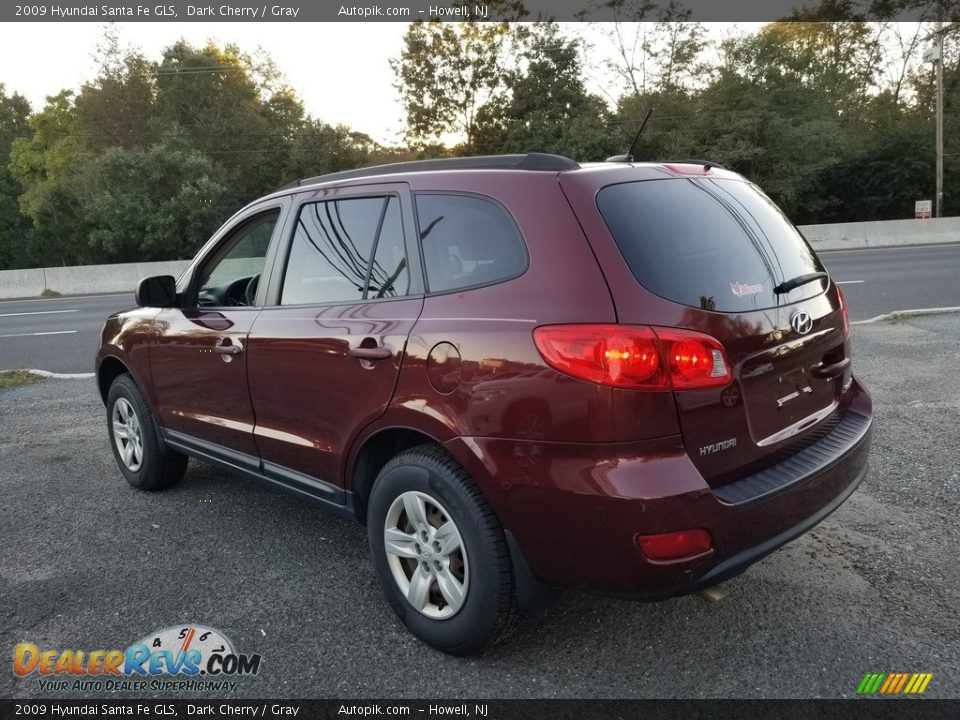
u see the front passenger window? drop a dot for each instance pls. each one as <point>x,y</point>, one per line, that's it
<point>345,251</point>
<point>231,277</point>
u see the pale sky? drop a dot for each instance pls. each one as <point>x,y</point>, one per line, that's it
<point>340,71</point>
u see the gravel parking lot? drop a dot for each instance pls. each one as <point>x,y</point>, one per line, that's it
<point>90,563</point>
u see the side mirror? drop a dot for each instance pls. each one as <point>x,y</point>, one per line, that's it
<point>158,291</point>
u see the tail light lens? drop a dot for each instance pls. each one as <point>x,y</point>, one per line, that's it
<point>674,545</point>
<point>696,361</point>
<point>635,357</point>
<point>844,313</point>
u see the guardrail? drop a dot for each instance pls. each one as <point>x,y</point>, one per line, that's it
<point>93,279</point>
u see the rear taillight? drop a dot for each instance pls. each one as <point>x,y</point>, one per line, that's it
<point>844,313</point>
<point>674,545</point>
<point>696,360</point>
<point>635,357</point>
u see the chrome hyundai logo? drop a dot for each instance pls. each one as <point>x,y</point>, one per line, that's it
<point>801,322</point>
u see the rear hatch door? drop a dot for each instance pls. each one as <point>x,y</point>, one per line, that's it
<point>707,250</point>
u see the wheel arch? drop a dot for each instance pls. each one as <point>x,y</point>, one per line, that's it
<point>109,369</point>
<point>373,452</point>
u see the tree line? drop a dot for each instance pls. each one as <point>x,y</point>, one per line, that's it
<point>834,119</point>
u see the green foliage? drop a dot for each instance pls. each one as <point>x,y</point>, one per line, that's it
<point>147,158</point>
<point>152,204</point>
<point>52,166</point>
<point>446,72</point>
<point>546,107</point>
<point>14,226</point>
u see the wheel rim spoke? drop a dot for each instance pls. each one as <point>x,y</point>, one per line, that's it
<point>419,591</point>
<point>448,537</point>
<point>450,588</point>
<point>396,542</point>
<point>119,430</point>
<point>416,509</point>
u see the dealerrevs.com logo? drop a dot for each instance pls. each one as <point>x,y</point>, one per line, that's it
<point>182,658</point>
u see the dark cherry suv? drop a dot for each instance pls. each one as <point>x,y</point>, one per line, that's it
<point>518,371</point>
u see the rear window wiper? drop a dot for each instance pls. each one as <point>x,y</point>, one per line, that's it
<point>788,285</point>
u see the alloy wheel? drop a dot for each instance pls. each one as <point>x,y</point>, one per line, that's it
<point>426,555</point>
<point>127,434</point>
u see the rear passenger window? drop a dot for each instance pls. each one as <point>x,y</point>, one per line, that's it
<point>330,258</point>
<point>467,241</point>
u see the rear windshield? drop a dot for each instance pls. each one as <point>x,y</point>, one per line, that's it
<point>716,244</point>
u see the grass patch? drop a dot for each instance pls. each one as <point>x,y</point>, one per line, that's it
<point>50,293</point>
<point>16,378</point>
<point>901,316</point>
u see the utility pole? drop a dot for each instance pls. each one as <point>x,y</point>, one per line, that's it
<point>939,199</point>
<point>935,55</point>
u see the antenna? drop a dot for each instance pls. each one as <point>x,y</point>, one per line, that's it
<point>629,156</point>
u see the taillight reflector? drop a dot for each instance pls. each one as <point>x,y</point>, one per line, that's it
<point>636,357</point>
<point>674,545</point>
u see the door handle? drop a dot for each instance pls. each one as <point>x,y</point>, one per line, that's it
<point>832,370</point>
<point>227,349</point>
<point>374,353</point>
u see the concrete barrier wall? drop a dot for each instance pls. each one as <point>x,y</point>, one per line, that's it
<point>882,233</point>
<point>93,279</point>
<point>83,279</point>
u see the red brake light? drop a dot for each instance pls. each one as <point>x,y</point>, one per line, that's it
<point>635,357</point>
<point>696,361</point>
<point>844,313</point>
<point>674,545</point>
<point>614,355</point>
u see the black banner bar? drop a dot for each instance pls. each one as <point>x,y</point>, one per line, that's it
<point>875,709</point>
<point>561,10</point>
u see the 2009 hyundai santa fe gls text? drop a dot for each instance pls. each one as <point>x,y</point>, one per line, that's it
<point>517,371</point>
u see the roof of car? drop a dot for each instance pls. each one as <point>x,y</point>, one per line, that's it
<point>527,162</point>
<point>530,161</point>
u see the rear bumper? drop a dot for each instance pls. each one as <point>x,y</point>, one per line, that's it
<point>576,509</point>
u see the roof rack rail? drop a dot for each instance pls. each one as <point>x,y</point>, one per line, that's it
<point>529,161</point>
<point>705,163</point>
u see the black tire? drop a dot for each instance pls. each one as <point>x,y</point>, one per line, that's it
<point>159,467</point>
<point>489,607</point>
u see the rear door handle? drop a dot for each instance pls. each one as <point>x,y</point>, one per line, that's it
<point>832,370</point>
<point>227,349</point>
<point>367,353</point>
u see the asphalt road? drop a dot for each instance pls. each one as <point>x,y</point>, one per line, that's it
<point>61,334</point>
<point>883,280</point>
<point>55,334</point>
<point>87,562</point>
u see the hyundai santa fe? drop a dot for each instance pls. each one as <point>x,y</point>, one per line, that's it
<point>517,371</point>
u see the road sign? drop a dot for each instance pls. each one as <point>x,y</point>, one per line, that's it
<point>923,209</point>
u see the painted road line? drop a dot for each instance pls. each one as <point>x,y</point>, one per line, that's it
<point>37,312</point>
<point>61,298</point>
<point>53,332</point>
<point>849,282</point>
<point>900,313</point>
